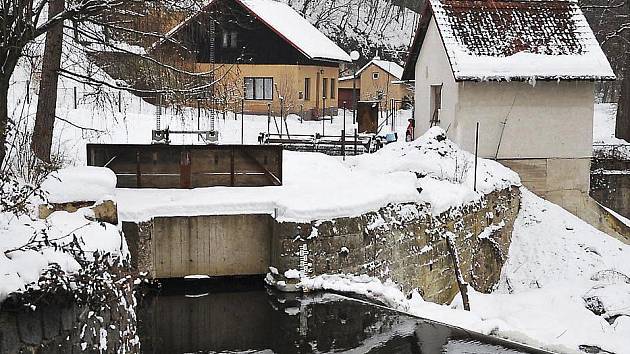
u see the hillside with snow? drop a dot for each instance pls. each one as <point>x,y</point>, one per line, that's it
<point>362,25</point>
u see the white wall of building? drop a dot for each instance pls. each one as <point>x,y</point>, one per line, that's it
<point>519,120</point>
<point>433,68</point>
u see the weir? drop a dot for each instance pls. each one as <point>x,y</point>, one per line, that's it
<point>226,231</point>
<point>402,242</point>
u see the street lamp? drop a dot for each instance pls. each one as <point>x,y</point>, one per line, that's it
<point>354,56</point>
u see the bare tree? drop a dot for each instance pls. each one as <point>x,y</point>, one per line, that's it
<point>109,26</point>
<point>22,21</point>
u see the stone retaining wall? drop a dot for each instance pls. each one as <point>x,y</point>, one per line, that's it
<point>68,328</point>
<point>405,243</point>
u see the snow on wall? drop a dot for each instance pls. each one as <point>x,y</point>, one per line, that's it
<point>317,186</point>
<point>77,184</point>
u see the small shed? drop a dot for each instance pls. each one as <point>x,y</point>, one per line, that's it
<point>525,71</point>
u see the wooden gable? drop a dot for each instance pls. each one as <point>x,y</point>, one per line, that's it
<point>239,38</point>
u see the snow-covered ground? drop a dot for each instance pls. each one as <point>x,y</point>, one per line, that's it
<point>555,262</point>
<point>604,125</point>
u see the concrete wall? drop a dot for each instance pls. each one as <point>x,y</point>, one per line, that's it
<point>223,245</point>
<point>610,187</point>
<point>553,178</point>
<point>566,182</point>
<point>289,80</point>
<point>433,68</point>
<point>612,190</point>
<point>403,242</point>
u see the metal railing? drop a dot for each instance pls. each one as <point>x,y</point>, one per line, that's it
<point>335,145</point>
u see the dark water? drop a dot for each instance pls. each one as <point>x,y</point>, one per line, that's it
<point>245,317</point>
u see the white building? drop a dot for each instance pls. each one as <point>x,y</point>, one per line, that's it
<point>525,71</point>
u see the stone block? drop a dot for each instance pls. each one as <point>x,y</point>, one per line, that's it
<point>30,327</point>
<point>399,251</point>
<point>105,211</point>
<point>566,174</point>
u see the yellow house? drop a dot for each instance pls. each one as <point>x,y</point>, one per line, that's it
<point>261,53</point>
<point>378,80</point>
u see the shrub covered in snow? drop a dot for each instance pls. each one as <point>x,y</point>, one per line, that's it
<point>66,242</point>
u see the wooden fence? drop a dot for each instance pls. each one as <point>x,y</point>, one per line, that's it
<point>189,166</point>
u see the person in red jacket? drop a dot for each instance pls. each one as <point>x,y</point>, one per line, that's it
<point>412,125</point>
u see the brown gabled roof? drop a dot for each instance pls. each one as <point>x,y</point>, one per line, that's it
<point>513,39</point>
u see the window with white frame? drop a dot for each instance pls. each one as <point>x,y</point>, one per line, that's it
<point>259,88</point>
<point>375,75</point>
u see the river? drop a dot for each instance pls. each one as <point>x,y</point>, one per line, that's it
<point>243,316</point>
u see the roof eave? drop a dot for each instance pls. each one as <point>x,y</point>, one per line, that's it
<point>418,40</point>
<point>332,60</point>
<point>536,78</point>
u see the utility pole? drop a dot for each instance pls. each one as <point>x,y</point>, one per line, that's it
<point>476,156</point>
<point>354,56</point>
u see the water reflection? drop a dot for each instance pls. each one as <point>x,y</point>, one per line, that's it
<point>252,319</point>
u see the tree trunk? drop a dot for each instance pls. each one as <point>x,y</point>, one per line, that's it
<point>622,126</point>
<point>4,117</point>
<point>41,141</point>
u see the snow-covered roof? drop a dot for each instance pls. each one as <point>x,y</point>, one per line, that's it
<point>514,40</point>
<point>288,24</point>
<point>389,66</point>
